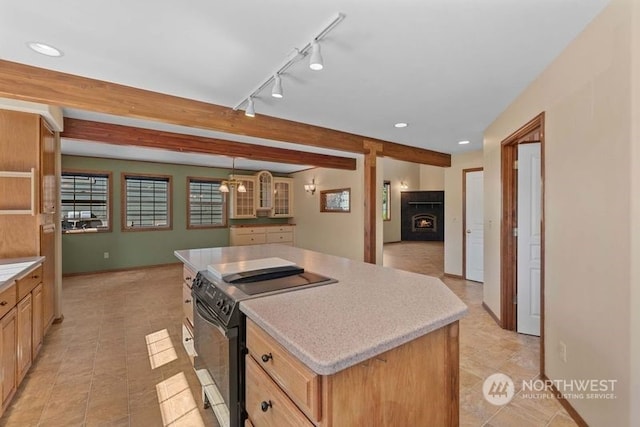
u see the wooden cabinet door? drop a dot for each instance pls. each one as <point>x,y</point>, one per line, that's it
<point>37,320</point>
<point>8,328</point>
<point>48,187</point>
<point>282,197</point>
<point>47,249</point>
<point>25,324</point>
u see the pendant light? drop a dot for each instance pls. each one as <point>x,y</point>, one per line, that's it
<point>232,182</point>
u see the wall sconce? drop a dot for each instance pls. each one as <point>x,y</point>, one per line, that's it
<point>310,188</point>
<point>403,185</point>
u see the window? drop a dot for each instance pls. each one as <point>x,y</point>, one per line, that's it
<point>146,202</point>
<point>207,205</point>
<point>386,201</point>
<point>85,201</point>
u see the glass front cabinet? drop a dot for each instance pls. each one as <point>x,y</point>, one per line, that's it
<point>282,197</point>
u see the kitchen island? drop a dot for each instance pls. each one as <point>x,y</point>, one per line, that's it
<point>379,347</point>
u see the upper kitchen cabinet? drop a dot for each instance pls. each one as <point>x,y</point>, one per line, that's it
<point>264,190</point>
<point>243,205</point>
<point>28,143</point>
<point>282,197</point>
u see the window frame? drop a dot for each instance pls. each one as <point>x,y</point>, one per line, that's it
<point>386,187</point>
<point>89,173</point>
<point>225,219</point>
<point>123,200</point>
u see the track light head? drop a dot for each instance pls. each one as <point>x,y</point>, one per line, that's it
<point>276,92</point>
<point>315,63</point>
<point>250,111</point>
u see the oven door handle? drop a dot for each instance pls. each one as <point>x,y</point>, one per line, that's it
<point>204,315</point>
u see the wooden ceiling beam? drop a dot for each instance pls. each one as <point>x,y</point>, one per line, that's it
<point>28,83</point>
<point>150,138</point>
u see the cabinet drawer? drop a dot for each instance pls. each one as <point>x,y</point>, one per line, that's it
<point>297,380</point>
<point>280,229</point>
<point>26,283</point>
<point>8,299</point>
<point>187,303</point>
<point>266,404</point>
<point>280,237</point>
<point>187,342</point>
<point>247,239</point>
<point>249,230</point>
<point>188,275</point>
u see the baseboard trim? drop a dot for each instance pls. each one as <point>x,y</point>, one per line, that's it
<point>565,404</point>
<point>492,314</point>
<point>116,270</point>
<point>453,276</point>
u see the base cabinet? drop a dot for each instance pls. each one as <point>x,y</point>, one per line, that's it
<point>38,324</point>
<point>8,356</point>
<point>25,336</point>
<point>187,307</point>
<point>415,384</point>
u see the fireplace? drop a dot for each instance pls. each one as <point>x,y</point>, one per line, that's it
<point>424,223</point>
<point>422,215</point>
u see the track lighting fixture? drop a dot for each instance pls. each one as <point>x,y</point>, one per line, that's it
<point>276,92</point>
<point>315,63</point>
<point>250,111</point>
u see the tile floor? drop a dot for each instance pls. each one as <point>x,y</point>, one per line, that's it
<point>117,358</point>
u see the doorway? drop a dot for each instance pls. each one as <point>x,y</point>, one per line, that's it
<point>522,265</point>
<point>473,224</point>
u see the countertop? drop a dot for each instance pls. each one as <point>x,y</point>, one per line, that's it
<point>13,268</point>
<point>371,309</point>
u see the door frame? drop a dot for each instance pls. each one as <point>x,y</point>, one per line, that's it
<point>533,131</point>
<point>464,218</point>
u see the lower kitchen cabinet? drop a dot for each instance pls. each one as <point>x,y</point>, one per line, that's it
<point>187,307</point>
<point>38,321</point>
<point>25,336</point>
<point>414,384</point>
<point>8,353</point>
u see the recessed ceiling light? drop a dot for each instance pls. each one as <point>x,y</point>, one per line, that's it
<point>44,49</point>
<point>463,142</point>
<point>401,125</point>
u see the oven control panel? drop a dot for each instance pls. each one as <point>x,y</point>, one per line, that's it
<point>215,300</point>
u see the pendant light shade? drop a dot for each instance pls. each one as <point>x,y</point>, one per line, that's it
<point>315,63</point>
<point>250,111</point>
<point>276,92</point>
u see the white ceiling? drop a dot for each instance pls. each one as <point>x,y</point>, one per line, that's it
<point>447,67</point>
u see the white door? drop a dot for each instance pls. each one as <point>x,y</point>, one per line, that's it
<point>529,230</point>
<point>474,226</point>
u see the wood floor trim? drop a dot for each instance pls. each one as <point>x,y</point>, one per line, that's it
<point>565,404</point>
<point>492,314</point>
<point>453,276</point>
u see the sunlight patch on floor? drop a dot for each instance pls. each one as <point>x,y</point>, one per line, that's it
<point>177,404</point>
<point>160,348</point>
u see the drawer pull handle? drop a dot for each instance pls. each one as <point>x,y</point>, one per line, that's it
<point>188,279</point>
<point>3,303</point>
<point>265,405</point>
<point>187,339</point>
<point>266,357</point>
<point>35,277</point>
<point>187,301</point>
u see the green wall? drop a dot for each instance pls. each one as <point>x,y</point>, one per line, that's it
<point>83,253</point>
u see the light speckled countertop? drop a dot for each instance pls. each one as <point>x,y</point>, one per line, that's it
<point>13,268</point>
<point>371,309</point>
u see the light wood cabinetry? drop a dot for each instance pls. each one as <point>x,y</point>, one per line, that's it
<point>38,324</point>
<point>282,198</point>
<point>25,336</point>
<point>414,384</point>
<point>8,353</point>
<point>243,205</point>
<point>264,190</point>
<point>257,235</point>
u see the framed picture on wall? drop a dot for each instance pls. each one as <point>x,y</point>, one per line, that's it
<point>338,200</point>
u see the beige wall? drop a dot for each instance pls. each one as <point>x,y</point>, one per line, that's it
<point>397,171</point>
<point>635,219</point>
<point>453,208</point>
<point>431,178</point>
<point>585,93</point>
<point>340,234</point>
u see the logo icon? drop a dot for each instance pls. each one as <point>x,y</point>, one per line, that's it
<point>498,389</point>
